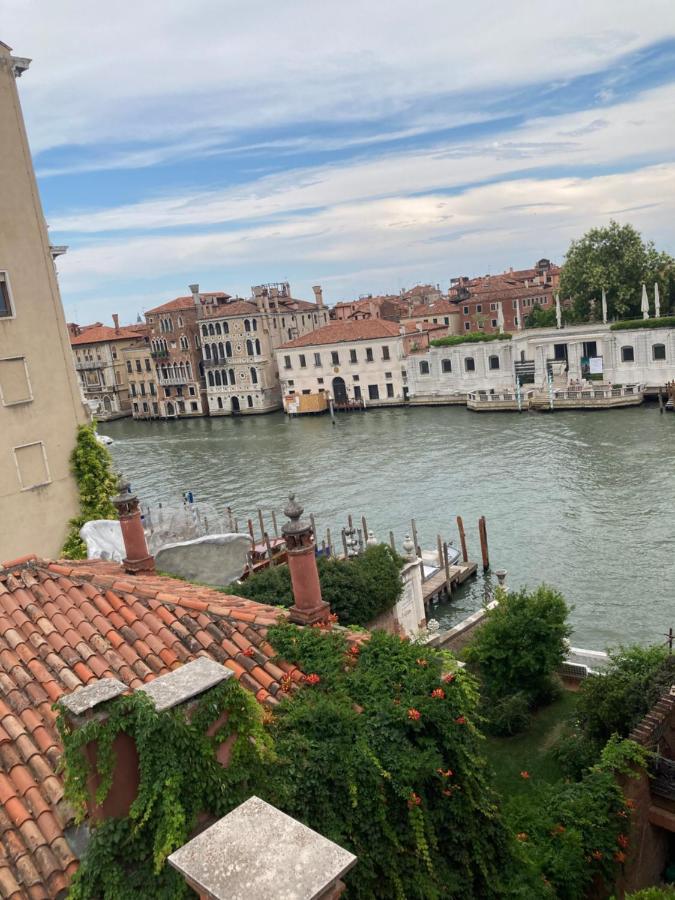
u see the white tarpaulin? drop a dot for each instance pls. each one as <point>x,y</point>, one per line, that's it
<point>595,365</point>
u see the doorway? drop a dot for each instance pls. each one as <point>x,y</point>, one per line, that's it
<point>339,390</point>
<point>235,405</point>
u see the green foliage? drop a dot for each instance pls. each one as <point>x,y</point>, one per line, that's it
<point>540,318</point>
<point>357,589</point>
<point>370,757</point>
<point>180,777</point>
<point>665,892</point>
<point>626,324</point>
<point>615,257</point>
<point>508,715</point>
<point>91,465</point>
<point>575,753</point>
<point>471,337</point>
<point>521,645</point>
<point>614,701</point>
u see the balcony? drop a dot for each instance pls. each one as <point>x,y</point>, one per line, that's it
<point>663,778</point>
<point>173,379</point>
<point>159,354</point>
<point>89,364</point>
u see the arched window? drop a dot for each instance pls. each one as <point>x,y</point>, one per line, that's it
<point>224,377</point>
<point>218,329</point>
<point>201,369</point>
<point>249,400</point>
<point>228,348</point>
<point>188,369</point>
<point>254,376</point>
<point>205,330</point>
<point>469,364</point>
<point>221,350</point>
<point>249,347</point>
<point>247,325</point>
<point>211,381</point>
<point>257,347</point>
<point>254,323</point>
<point>212,330</point>
<point>231,374</point>
<point>217,377</point>
<point>184,343</point>
<point>207,351</point>
<point>214,351</point>
<point>658,351</point>
<point>493,362</point>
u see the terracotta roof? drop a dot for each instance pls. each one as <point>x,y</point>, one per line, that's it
<point>344,332</point>
<point>439,308</point>
<point>99,334</point>
<point>63,625</point>
<point>182,303</point>
<point>412,327</point>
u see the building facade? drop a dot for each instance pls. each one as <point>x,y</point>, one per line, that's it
<point>40,402</point>
<point>98,351</point>
<point>143,387</point>
<point>239,338</point>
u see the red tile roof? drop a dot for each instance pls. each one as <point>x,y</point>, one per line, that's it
<point>346,331</point>
<point>63,625</point>
<point>98,334</point>
<point>182,302</point>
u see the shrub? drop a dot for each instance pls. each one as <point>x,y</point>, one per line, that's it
<point>471,337</point>
<point>665,892</point>
<point>508,715</point>
<point>357,589</point>
<point>522,644</point>
<point>575,754</point>
<point>91,465</point>
<point>662,322</point>
<point>614,701</point>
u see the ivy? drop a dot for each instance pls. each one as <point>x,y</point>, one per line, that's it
<point>180,777</point>
<point>91,465</point>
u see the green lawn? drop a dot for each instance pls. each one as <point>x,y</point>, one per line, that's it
<point>531,751</point>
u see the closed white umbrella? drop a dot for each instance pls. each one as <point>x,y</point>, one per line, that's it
<point>558,311</point>
<point>518,315</point>
<point>644,306</point>
<point>604,307</point>
<point>657,300</point>
<point>500,318</point>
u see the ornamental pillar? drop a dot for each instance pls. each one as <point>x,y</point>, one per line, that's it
<point>308,607</point>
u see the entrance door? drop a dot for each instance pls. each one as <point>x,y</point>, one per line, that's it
<point>339,390</point>
<point>560,352</point>
<point>235,405</point>
<point>170,411</point>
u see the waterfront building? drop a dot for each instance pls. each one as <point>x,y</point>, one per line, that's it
<point>175,348</point>
<point>387,306</point>
<point>40,402</point>
<point>143,386</point>
<point>98,351</point>
<point>354,363</point>
<point>440,312</point>
<point>239,338</point>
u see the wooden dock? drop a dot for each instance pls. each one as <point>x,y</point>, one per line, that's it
<point>438,586</point>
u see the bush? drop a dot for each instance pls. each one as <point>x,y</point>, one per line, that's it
<point>507,715</point>
<point>522,644</point>
<point>357,589</point>
<point>665,892</point>
<point>471,337</point>
<point>626,324</point>
<point>575,754</point>
<point>614,701</point>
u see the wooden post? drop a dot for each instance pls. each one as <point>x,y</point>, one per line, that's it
<point>482,530</point>
<point>349,521</point>
<point>262,523</point>
<point>414,536</point>
<point>439,544</point>
<point>462,538</point>
<point>392,542</point>
<point>364,525</point>
<point>269,546</point>
<point>359,535</point>
<point>344,543</point>
<point>236,526</point>
<point>311,519</point>
<point>660,401</point>
<point>230,517</point>
<point>274,524</point>
<point>329,542</point>
<point>250,531</point>
<point>448,584</point>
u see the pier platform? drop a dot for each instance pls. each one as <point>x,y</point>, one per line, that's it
<point>438,586</point>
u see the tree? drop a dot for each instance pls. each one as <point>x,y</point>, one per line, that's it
<point>540,318</point>
<point>616,258</point>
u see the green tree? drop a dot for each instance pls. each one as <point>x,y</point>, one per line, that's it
<point>521,644</point>
<point>616,258</point>
<point>540,318</point>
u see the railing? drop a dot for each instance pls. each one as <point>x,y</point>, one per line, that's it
<point>89,364</point>
<point>602,393</point>
<point>663,777</point>
<point>99,388</point>
<point>498,396</point>
<point>159,354</point>
<point>172,379</point>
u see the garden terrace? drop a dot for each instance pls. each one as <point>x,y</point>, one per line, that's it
<point>471,337</point>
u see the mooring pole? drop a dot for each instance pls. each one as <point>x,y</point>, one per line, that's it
<point>448,583</point>
<point>462,538</point>
<point>439,544</point>
<point>274,524</point>
<point>482,530</point>
<point>418,550</point>
<point>262,522</point>
<point>392,542</point>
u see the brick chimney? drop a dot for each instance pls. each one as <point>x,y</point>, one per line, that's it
<point>318,294</point>
<point>196,298</point>
<point>308,607</point>
<point>138,558</point>
<point>116,320</point>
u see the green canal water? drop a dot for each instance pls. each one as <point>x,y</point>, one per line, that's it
<point>582,500</point>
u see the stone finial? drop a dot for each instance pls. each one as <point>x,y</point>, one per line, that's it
<point>293,510</point>
<point>409,547</point>
<point>372,540</point>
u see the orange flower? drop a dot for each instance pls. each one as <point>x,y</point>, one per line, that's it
<point>558,829</point>
<point>448,678</point>
<point>438,694</point>
<point>522,835</point>
<point>414,714</point>
<point>286,683</point>
<point>620,856</point>
<point>354,649</point>
<point>333,618</point>
<point>414,800</point>
<point>623,841</point>
<point>422,662</point>
<point>446,773</point>
<point>525,775</point>
<point>313,678</point>
<point>597,854</point>
<point>630,804</point>
<point>460,720</point>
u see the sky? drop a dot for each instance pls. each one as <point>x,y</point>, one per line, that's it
<point>363,146</point>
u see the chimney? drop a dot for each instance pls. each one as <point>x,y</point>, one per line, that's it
<point>318,294</point>
<point>196,299</point>
<point>116,320</point>
<point>226,861</point>
<point>308,607</point>
<point>137,557</point>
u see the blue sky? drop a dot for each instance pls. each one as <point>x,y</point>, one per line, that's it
<point>365,147</point>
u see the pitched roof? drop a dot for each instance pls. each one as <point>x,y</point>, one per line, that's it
<point>182,303</point>
<point>345,332</point>
<point>99,334</point>
<point>65,625</point>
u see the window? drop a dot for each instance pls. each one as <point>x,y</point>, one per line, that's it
<point>369,354</point>
<point>194,407</point>
<point>145,408</point>
<point>390,390</point>
<point>319,380</point>
<point>446,365</point>
<point>247,325</point>
<point>14,382</point>
<point>467,326</point>
<point>132,385</point>
<point>514,304</point>
<point>446,320</point>
<point>373,392</point>
<point>129,366</point>
<point>355,377</point>
<point>469,364</point>
<point>220,402</point>
<point>493,307</point>
<point>290,382</point>
<point>352,356</point>
<point>387,374</point>
<point>31,464</point>
<point>249,401</point>
<point>494,323</point>
<point>302,361</point>
<point>493,362</point>
<point>142,389</point>
<point>287,362</point>
<point>466,310</point>
<point>153,389</point>
<point>357,392</point>
<point>307,390</point>
<point>335,357</point>
<point>627,354</point>
<point>385,353</point>
<point>254,376</point>
<point>138,365</point>
<point>424,367</point>
<point>317,359</point>
<point>192,391</point>
<point>135,406</point>
<point>658,351</point>
<point>5,299</point>
<point>148,366</point>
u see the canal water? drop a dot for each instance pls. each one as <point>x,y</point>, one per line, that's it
<point>582,500</point>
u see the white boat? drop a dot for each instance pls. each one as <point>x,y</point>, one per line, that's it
<point>104,439</point>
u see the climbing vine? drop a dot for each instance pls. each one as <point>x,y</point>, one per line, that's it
<point>180,778</point>
<point>91,465</point>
